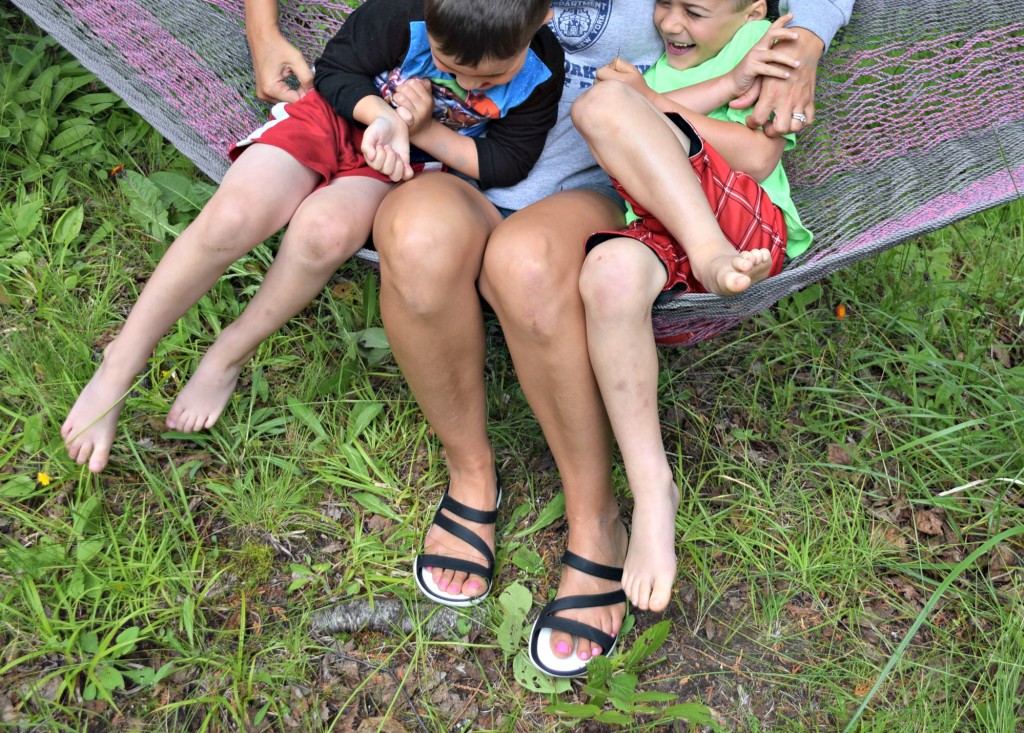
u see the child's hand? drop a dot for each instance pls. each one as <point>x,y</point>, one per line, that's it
<point>762,60</point>
<point>621,70</point>
<point>414,102</point>
<point>386,147</point>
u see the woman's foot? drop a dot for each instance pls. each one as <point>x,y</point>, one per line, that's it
<point>732,273</point>
<point>91,424</point>
<point>481,495</point>
<point>611,552</point>
<point>206,394</point>
<point>650,570</point>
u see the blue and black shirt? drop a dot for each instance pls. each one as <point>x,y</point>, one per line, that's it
<point>384,42</point>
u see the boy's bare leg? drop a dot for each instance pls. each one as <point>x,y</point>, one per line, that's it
<point>431,233</point>
<point>317,242</point>
<point>649,156</point>
<point>242,213</point>
<point>531,278</point>
<point>620,280</point>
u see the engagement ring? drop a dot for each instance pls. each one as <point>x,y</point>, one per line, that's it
<point>800,117</point>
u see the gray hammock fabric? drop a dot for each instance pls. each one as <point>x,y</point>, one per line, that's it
<point>920,119</point>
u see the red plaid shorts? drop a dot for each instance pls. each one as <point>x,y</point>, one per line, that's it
<point>315,135</point>
<point>746,215</point>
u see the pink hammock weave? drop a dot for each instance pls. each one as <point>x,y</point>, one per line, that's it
<point>920,122</point>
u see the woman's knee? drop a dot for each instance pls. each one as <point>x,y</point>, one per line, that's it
<point>427,249</point>
<point>530,282</point>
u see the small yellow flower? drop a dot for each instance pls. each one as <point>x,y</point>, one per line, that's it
<point>43,478</point>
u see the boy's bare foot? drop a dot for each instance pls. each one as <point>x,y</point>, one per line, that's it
<point>609,619</point>
<point>91,424</point>
<point>650,570</point>
<point>204,396</point>
<point>729,274</point>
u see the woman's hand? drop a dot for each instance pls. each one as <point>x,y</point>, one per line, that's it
<point>274,59</point>
<point>786,104</point>
<point>765,60</point>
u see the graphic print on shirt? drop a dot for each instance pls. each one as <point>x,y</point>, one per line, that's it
<point>579,23</point>
<point>465,112</point>
<point>454,107</point>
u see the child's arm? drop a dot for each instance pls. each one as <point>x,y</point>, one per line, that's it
<point>762,60</point>
<point>415,106</point>
<point>372,40</point>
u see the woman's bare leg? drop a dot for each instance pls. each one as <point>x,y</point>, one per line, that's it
<point>531,278</point>
<point>431,233</point>
<point>242,213</point>
<point>620,280</point>
<point>317,242</point>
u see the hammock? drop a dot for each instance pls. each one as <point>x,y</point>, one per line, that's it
<point>919,119</point>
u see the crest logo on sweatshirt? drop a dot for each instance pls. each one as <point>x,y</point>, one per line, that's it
<point>579,23</point>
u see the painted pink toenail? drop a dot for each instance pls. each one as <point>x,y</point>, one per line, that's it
<point>443,585</point>
<point>453,589</point>
<point>562,647</point>
<point>472,585</point>
<point>584,656</point>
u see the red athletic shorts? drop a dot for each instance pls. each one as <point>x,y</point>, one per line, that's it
<point>746,215</point>
<point>315,135</point>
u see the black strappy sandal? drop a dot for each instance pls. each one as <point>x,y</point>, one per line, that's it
<point>540,652</point>
<point>424,578</point>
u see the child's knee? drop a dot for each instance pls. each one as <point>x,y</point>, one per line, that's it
<point>600,103</point>
<point>613,283</point>
<point>225,226</point>
<point>326,240</point>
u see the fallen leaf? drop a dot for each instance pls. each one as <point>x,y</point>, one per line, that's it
<point>863,688</point>
<point>838,455</point>
<point>929,521</point>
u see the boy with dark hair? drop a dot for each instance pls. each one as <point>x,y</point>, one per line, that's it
<point>391,99</point>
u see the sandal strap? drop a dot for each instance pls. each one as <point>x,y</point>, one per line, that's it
<point>596,569</point>
<point>590,600</point>
<point>458,564</point>
<point>467,512</point>
<point>467,535</point>
<point>578,628</point>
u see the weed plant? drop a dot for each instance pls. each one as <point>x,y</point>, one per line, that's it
<point>850,462</point>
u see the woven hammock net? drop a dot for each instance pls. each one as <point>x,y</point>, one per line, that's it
<point>919,120</point>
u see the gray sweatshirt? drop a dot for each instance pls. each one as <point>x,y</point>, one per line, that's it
<point>593,32</point>
<point>821,17</point>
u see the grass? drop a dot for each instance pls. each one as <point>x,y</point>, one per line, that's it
<point>836,474</point>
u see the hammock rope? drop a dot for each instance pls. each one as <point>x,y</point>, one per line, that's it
<point>919,120</point>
